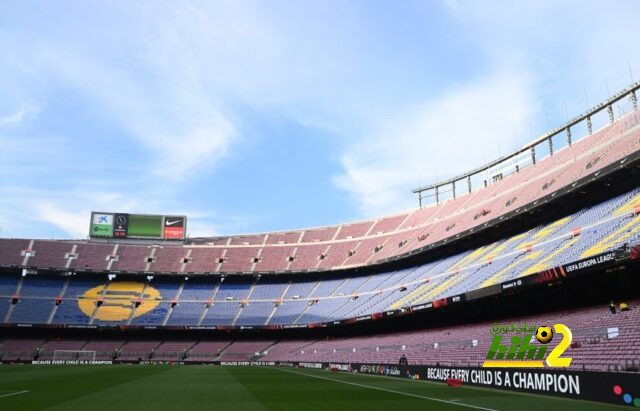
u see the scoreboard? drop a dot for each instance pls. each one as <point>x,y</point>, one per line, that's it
<point>143,226</point>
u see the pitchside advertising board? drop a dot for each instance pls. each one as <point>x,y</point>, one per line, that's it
<point>143,226</point>
<point>611,387</point>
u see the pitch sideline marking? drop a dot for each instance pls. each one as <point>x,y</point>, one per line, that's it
<point>13,393</point>
<point>388,390</point>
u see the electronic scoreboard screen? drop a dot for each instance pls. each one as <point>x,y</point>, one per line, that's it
<point>143,226</point>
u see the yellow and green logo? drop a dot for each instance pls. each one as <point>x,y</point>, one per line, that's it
<point>522,352</point>
<point>119,300</point>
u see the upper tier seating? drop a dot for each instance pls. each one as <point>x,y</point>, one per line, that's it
<point>351,244</point>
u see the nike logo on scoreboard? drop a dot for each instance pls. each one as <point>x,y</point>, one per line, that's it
<point>174,228</point>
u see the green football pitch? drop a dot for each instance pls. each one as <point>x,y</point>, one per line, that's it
<point>132,387</point>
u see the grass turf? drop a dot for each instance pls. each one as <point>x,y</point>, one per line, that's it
<point>158,387</point>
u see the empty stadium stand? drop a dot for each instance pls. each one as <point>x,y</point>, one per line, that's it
<point>267,300</point>
<point>602,342</point>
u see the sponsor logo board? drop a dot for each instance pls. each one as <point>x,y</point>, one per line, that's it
<point>101,225</point>
<point>173,228</point>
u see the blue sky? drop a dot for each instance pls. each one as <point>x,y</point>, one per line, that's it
<point>253,116</point>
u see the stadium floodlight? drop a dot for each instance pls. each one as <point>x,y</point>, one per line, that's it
<point>74,355</point>
<point>111,277</point>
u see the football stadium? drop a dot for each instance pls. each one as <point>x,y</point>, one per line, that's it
<point>511,285</point>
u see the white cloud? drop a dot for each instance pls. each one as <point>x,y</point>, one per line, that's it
<point>155,86</point>
<point>544,58</point>
<point>179,87</point>
<point>20,115</point>
<point>71,217</point>
<point>201,147</point>
<point>182,128</point>
<point>446,135</point>
<point>74,223</point>
<point>572,46</point>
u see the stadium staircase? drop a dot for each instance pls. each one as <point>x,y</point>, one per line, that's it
<point>97,307</point>
<point>242,306</point>
<point>112,260</point>
<point>340,307</point>
<point>135,308</point>
<point>275,306</point>
<point>262,353</point>
<point>13,306</point>
<point>170,310</point>
<point>203,315</point>
<point>308,305</point>
<point>220,353</point>
<point>55,306</point>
